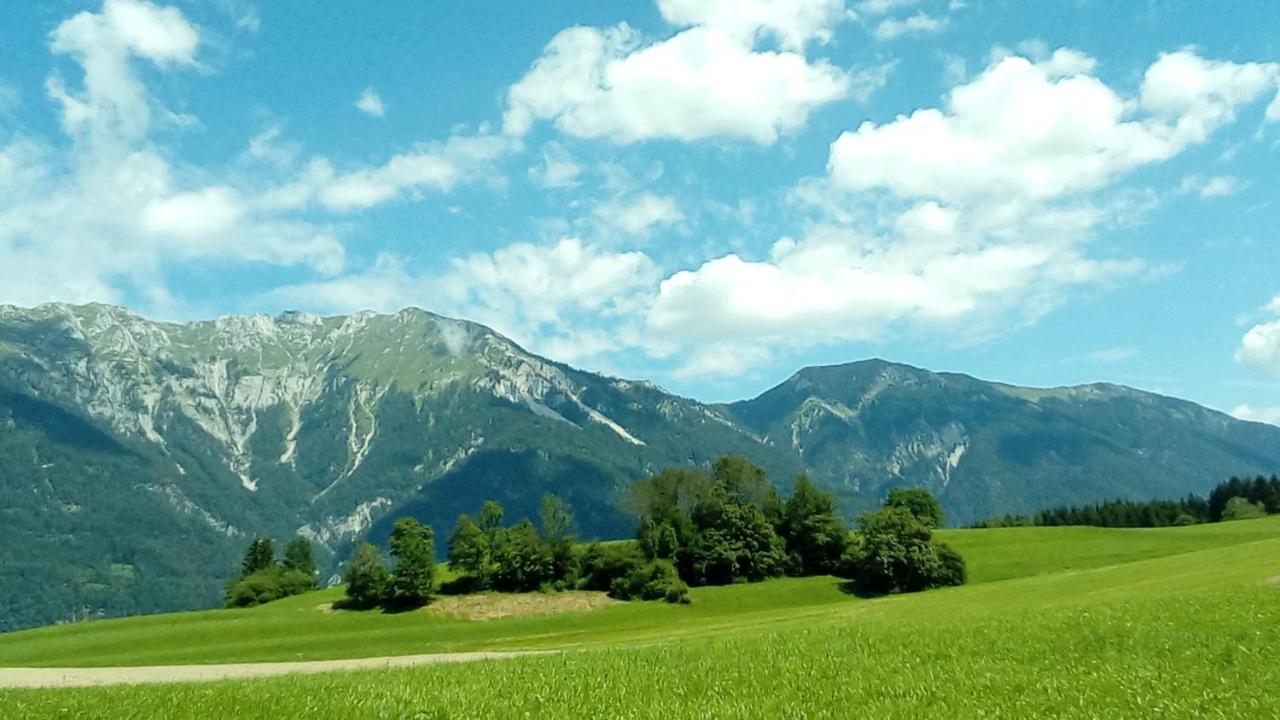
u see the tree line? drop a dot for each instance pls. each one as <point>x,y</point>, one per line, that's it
<point>1234,499</point>
<point>729,525</point>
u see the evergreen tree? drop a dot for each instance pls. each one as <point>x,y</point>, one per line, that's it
<point>298,557</point>
<point>413,579</point>
<point>260,556</point>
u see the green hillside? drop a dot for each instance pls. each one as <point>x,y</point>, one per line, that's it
<point>1075,622</point>
<point>137,458</point>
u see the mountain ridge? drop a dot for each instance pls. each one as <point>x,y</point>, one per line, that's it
<point>122,436</point>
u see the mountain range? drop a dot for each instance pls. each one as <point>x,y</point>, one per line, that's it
<point>137,458</point>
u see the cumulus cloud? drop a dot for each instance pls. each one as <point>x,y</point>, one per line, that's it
<point>1269,415</point>
<point>793,22</point>
<point>1260,347</point>
<point>370,103</point>
<point>706,81</point>
<point>114,212</point>
<point>981,211</point>
<point>1040,130</point>
<point>563,299</point>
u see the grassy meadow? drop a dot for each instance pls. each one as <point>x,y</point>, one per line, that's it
<point>1073,622</point>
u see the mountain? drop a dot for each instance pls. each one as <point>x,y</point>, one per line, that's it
<point>137,458</point>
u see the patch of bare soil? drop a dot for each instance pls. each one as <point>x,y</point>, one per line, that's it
<point>492,606</point>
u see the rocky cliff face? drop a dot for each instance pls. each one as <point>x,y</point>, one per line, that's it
<point>137,458</point>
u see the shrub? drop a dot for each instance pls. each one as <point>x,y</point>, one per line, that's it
<point>266,585</point>
<point>1239,508</point>
<point>599,565</point>
<point>897,553</point>
<point>654,580</point>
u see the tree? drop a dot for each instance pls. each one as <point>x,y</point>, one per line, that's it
<point>736,541</point>
<point>746,483</point>
<point>298,557</point>
<point>470,552</point>
<point>814,534</point>
<point>897,553</point>
<point>524,561</point>
<point>413,581</point>
<point>1239,508</point>
<point>920,502</point>
<point>260,556</point>
<point>557,530</point>
<point>367,577</point>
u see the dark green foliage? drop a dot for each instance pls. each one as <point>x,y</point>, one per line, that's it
<point>737,542</point>
<point>920,502</point>
<point>299,557</point>
<point>600,564</point>
<point>897,553</point>
<point>813,532</point>
<point>262,580</point>
<point>653,580</point>
<point>658,541</point>
<point>261,555</point>
<point>1261,491</point>
<point>470,552</point>
<point>266,585</point>
<point>367,578</point>
<point>557,532</point>
<point>413,579</point>
<point>525,561</point>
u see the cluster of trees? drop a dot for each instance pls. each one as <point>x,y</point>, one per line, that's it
<point>411,583</point>
<point>262,579</point>
<point>727,526</point>
<point>1235,499</point>
<point>732,526</point>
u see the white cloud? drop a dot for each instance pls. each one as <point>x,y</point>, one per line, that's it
<point>881,7</point>
<point>640,215</point>
<point>706,81</point>
<point>370,103</point>
<point>1213,187</point>
<point>1269,415</point>
<point>1041,130</point>
<point>1260,347</point>
<point>434,166</point>
<point>206,213</point>
<point>554,297</point>
<point>558,168</point>
<point>114,100</point>
<point>918,24</point>
<point>962,219</point>
<point>793,22</point>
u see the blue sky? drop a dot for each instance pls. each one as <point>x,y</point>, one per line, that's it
<point>707,193</point>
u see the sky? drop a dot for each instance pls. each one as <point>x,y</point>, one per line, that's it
<point>707,193</point>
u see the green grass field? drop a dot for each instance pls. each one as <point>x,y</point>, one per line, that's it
<point>1078,622</point>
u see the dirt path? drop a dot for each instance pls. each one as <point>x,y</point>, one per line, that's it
<point>87,677</point>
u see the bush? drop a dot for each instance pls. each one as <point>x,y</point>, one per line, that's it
<point>898,554</point>
<point>266,585</point>
<point>599,565</point>
<point>1239,508</point>
<point>654,580</point>
<point>525,561</point>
